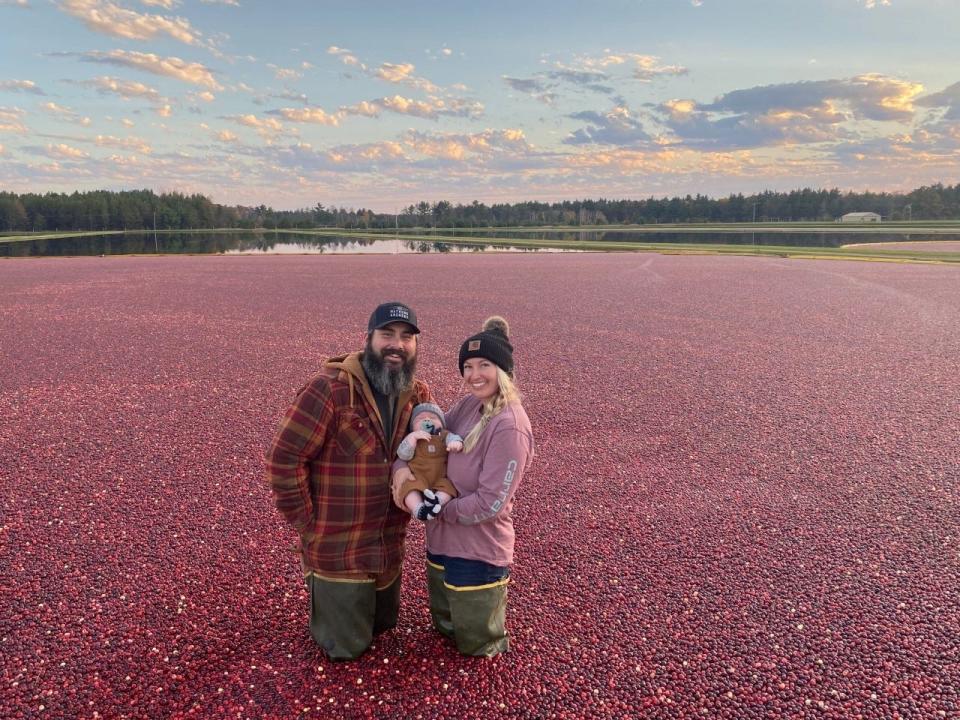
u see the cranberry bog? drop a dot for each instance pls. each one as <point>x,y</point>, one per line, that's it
<point>744,502</point>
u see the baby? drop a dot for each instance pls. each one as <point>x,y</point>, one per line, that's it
<point>425,450</point>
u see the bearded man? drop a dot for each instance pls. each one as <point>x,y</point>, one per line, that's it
<point>329,471</point>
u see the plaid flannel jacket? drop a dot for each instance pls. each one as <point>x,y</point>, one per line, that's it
<point>329,471</point>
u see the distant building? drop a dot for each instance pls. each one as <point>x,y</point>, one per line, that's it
<point>860,217</point>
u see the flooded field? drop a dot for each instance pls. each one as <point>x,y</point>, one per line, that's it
<point>768,449</point>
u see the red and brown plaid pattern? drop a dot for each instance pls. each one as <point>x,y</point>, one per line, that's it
<point>329,471</point>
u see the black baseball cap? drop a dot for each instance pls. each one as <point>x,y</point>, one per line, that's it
<point>392,312</point>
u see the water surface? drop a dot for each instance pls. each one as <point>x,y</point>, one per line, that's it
<point>268,242</point>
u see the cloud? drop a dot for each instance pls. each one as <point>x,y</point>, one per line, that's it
<point>281,73</point>
<point>54,109</point>
<point>586,78</point>
<point>346,57</point>
<point>343,159</point>
<point>432,108</point>
<point>232,3</point>
<point>316,116</point>
<point>461,147</point>
<point>226,136</point>
<point>529,86</point>
<point>66,152</point>
<point>948,99</point>
<point>15,3</point>
<point>26,86</point>
<point>257,123</point>
<point>127,89</point>
<point>616,127</point>
<point>205,96</point>
<point>268,128</point>
<point>165,4</point>
<point>128,143</point>
<point>396,73</point>
<point>111,19</point>
<point>11,120</point>
<point>414,151</point>
<point>871,4</point>
<point>598,74</point>
<point>870,96</point>
<point>402,74</point>
<point>647,68</point>
<point>164,111</point>
<point>535,87</point>
<point>291,95</point>
<point>188,72</point>
<point>3,150</point>
<point>790,113</point>
<point>65,113</point>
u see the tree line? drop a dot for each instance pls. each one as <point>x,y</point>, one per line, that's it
<point>145,210</point>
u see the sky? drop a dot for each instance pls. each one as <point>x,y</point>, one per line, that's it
<point>383,104</point>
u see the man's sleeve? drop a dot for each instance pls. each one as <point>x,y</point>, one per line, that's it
<point>503,465</point>
<point>299,439</point>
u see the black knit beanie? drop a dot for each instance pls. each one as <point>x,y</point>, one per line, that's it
<point>492,343</point>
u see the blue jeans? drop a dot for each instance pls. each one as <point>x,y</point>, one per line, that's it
<point>459,572</point>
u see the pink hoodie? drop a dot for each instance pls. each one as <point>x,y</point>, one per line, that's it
<point>477,525</point>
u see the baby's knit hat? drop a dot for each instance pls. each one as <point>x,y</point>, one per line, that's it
<point>427,407</point>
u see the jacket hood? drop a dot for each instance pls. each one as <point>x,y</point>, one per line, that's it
<point>349,363</point>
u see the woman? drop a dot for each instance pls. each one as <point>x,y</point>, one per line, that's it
<point>470,543</point>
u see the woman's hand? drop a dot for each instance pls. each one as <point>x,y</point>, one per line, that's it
<point>400,476</point>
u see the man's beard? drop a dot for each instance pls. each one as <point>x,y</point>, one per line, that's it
<point>385,379</point>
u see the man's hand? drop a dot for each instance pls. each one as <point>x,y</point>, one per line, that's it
<point>402,475</point>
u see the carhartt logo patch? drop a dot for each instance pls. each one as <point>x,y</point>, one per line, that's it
<point>431,448</point>
<point>473,345</point>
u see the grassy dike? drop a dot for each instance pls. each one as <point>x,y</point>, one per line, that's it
<point>842,253</point>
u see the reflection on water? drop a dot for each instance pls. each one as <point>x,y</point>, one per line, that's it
<point>364,246</point>
<point>233,243</point>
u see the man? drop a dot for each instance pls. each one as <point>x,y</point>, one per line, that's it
<point>329,471</point>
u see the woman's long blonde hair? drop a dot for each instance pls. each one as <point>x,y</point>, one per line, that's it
<point>506,393</point>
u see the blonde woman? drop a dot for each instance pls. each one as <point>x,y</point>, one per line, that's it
<point>470,542</point>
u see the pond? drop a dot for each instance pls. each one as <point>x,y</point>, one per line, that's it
<point>236,243</point>
<point>269,242</point>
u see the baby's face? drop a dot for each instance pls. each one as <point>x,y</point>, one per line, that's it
<point>428,422</point>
